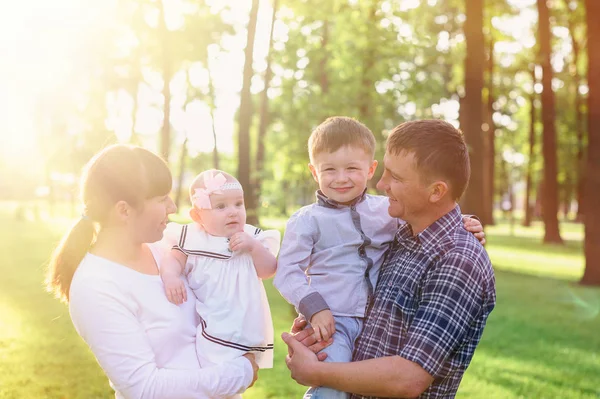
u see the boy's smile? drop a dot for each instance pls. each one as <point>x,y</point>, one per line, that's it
<point>343,174</point>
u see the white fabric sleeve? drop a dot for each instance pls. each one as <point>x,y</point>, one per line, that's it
<point>294,258</point>
<point>271,239</point>
<point>121,347</point>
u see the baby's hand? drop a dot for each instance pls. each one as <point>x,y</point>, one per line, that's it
<point>175,289</point>
<point>323,324</point>
<point>474,226</point>
<point>242,242</point>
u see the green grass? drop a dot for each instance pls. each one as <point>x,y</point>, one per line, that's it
<point>541,341</point>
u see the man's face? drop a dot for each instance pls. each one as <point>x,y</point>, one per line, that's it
<point>409,196</point>
<point>343,175</point>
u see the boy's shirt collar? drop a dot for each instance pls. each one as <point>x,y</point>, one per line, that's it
<point>327,202</point>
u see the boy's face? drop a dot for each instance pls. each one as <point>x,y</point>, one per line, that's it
<point>343,175</point>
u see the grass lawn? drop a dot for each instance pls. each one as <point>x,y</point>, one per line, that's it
<point>542,340</point>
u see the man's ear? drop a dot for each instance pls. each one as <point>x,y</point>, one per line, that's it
<point>195,215</point>
<point>438,190</point>
<point>313,171</point>
<point>372,169</point>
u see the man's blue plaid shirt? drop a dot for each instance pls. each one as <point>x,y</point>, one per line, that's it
<point>434,294</point>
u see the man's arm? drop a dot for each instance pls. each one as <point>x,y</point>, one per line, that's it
<point>451,300</point>
<point>390,376</point>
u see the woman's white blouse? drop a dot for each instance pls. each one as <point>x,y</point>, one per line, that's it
<point>144,343</point>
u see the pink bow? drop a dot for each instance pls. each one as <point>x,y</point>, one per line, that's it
<point>212,185</point>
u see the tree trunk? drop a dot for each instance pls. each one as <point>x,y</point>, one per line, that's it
<point>489,143</point>
<point>550,194</point>
<point>323,77</point>
<point>213,101</point>
<point>165,135</point>
<point>245,119</point>
<point>182,157</point>
<point>472,107</point>
<point>591,275</point>
<point>264,115</point>
<point>364,109</point>
<point>580,123</point>
<point>532,119</point>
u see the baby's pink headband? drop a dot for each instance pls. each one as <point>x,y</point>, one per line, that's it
<point>213,185</point>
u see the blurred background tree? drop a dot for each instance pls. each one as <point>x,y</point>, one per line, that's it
<point>240,84</point>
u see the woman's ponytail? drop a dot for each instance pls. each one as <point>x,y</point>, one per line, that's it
<point>67,256</point>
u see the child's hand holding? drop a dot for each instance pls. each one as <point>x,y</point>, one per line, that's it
<point>175,289</point>
<point>323,324</point>
<point>242,242</point>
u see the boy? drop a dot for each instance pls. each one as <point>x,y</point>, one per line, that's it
<point>332,249</point>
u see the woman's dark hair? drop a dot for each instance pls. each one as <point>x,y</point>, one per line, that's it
<point>117,173</point>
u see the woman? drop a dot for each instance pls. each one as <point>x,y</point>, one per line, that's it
<point>107,269</point>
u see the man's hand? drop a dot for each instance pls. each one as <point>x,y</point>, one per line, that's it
<point>242,242</point>
<point>250,356</point>
<point>474,226</point>
<point>174,289</point>
<point>324,325</point>
<point>301,361</point>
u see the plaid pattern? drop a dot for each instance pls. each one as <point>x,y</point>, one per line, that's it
<point>434,294</point>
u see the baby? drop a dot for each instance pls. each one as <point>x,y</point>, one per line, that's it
<point>224,260</point>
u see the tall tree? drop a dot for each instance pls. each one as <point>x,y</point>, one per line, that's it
<point>572,23</point>
<point>529,173</point>
<point>167,74</point>
<point>471,108</point>
<point>264,114</point>
<point>212,100</point>
<point>245,118</point>
<point>550,194</point>
<point>489,142</point>
<point>591,276</point>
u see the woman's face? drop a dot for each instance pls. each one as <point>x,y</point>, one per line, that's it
<point>151,219</point>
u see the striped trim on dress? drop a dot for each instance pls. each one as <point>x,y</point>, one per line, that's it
<point>230,344</point>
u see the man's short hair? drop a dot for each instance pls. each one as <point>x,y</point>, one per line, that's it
<point>339,131</point>
<point>439,149</point>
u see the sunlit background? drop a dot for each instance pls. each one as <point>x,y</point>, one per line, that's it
<point>77,75</point>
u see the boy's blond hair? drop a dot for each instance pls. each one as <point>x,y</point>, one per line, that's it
<point>339,131</point>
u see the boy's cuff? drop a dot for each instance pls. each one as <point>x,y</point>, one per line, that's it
<point>311,304</point>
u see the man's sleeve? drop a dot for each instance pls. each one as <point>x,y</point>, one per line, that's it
<point>451,299</point>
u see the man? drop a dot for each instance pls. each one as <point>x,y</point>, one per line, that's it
<point>436,287</point>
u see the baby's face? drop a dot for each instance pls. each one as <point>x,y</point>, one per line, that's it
<point>343,175</point>
<point>227,216</point>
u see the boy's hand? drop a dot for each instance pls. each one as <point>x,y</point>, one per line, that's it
<point>242,242</point>
<point>175,289</point>
<point>474,226</point>
<point>323,324</point>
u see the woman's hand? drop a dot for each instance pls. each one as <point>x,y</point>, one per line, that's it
<point>250,356</point>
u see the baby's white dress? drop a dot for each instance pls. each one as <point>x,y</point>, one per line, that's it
<point>230,298</point>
